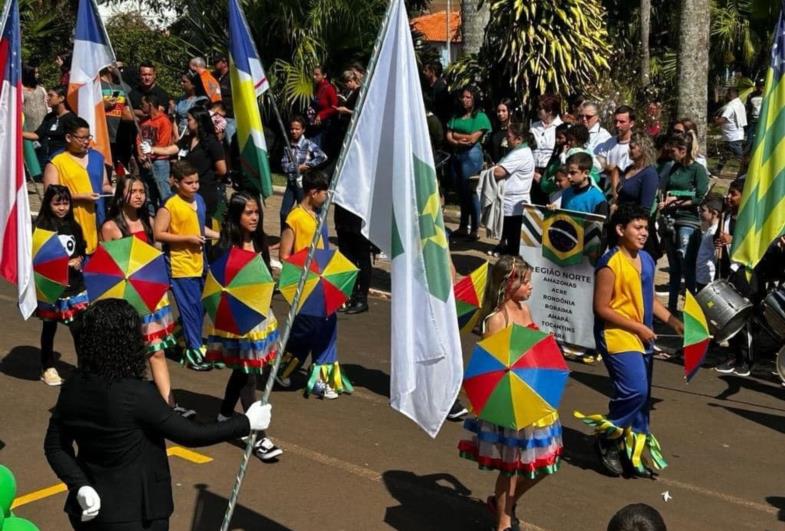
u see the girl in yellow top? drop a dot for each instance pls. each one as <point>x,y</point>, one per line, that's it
<point>82,171</point>
<point>312,335</point>
<point>180,225</point>
<point>624,310</point>
<point>522,457</point>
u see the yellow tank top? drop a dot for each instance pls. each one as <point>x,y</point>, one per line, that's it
<point>303,224</point>
<point>74,177</point>
<point>186,218</point>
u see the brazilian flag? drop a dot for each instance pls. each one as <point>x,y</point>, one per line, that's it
<point>762,212</point>
<point>562,238</point>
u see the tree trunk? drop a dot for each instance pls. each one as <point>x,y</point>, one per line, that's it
<point>645,53</point>
<point>473,23</point>
<point>693,80</point>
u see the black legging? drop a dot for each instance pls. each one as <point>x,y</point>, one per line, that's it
<point>48,331</point>
<point>511,235</point>
<point>241,386</point>
<point>357,249</point>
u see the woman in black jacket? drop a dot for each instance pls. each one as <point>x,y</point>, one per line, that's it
<point>118,478</point>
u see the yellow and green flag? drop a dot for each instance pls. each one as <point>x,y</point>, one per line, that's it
<point>248,83</point>
<point>762,213</point>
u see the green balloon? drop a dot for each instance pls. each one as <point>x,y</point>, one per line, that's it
<point>7,490</point>
<point>14,523</point>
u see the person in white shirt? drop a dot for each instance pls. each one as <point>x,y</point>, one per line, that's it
<point>732,119</point>
<point>544,133</point>
<point>590,117</point>
<point>614,153</point>
<point>517,170</point>
<point>706,262</point>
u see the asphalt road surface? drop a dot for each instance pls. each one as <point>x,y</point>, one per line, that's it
<point>355,464</point>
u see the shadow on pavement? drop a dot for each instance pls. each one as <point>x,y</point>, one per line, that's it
<point>599,382</point>
<point>779,503</point>
<point>24,362</point>
<point>736,383</point>
<point>775,422</point>
<point>209,513</point>
<point>579,450</point>
<point>433,501</point>
<point>374,380</point>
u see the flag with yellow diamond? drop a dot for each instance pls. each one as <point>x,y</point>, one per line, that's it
<point>388,179</point>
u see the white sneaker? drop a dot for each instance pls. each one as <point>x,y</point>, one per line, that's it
<point>51,377</point>
<point>266,450</point>
<point>329,393</point>
<point>221,418</point>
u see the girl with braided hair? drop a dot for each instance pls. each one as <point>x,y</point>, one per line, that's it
<point>522,457</point>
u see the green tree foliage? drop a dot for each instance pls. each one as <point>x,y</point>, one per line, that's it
<point>534,47</point>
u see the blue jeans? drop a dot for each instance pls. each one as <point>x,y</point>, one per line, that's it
<point>466,164</point>
<point>291,196</point>
<point>157,178</point>
<point>682,255</point>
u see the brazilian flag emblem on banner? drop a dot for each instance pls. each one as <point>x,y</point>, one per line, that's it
<point>562,238</point>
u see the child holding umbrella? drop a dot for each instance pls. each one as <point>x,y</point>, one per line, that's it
<point>128,217</point>
<point>245,354</point>
<point>522,457</point>
<point>57,215</point>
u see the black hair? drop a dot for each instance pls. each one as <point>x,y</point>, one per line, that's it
<point>29,79</point>
<point>182,169</point>
<point>683,142</point>
<point>435,67</point>
<point>204,122</point>
<point>628,212</point>
<point>579,133</point>
<point>146,64</point>
<point>315,180</point>
<point>625,109</point>
<point>61,90</point>
<point>475,92</point>
<point>299,118</point>
<point>153,99</point>
<point>583,160</point>
<point>563,128</point>
<point>46,218</point>
<point>232,232</point>
<point>737,184</point>
<point>507,102</point>
<point>108,338</point>
<point>637,517</point>
<point>73,123</point>
<point>121,195</point>
<point>196,81</point>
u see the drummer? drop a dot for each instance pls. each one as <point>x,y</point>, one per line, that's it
<point>706,263</point>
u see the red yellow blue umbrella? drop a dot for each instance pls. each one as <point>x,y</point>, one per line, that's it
<point>238,291</point>
<point>128,269</point>
<point>329,284</point>
<point>50,265</point>
<point>515,377</point>
<point>696,336</point>
<point>469,297</point>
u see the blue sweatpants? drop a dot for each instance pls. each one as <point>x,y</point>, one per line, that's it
<point>630,374</point>
<point>188,296</point>
<point>316,336</point>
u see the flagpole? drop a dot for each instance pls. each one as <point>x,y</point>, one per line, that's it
<point>321,220</point>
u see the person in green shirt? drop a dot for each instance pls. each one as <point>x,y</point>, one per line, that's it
<point>465,131</point>
<point>683,190</point>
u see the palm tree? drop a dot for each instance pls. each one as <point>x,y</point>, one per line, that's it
<point>645,18</point>
<point>475,15</point>
<point>694,62</point>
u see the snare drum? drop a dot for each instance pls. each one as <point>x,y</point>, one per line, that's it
<point>774,312</point>
<point>725,308</point>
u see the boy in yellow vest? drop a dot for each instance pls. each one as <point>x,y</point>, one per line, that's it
<point>180,226</point>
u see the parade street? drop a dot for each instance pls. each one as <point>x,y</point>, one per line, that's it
<point>354,463</point>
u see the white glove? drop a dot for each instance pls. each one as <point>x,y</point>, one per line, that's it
<point>89,501</point>
<point>146,148</point>
<point>259,416</point>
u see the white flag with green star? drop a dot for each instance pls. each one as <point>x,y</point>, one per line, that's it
<point>388,179</point>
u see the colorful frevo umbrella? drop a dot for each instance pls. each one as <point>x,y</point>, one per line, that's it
<point>696,336</point>
<point>127,269</point>
<point>329,284</point>
<point>515,377</point>
<point>469,297</point>
<point>50,265</point>
<point>238,291</point>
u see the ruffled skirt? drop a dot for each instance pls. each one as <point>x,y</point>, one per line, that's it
<point>249,352</point>
<point>530,452</point>
<point>64,309</point>
<point>158,327</point>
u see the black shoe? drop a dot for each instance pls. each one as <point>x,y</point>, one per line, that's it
<point>610,456</point>
<point>458,411</point>
<point>726,368</point>
<point>742,370</point>
<point>200,367</point>
<point>356,307</point>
